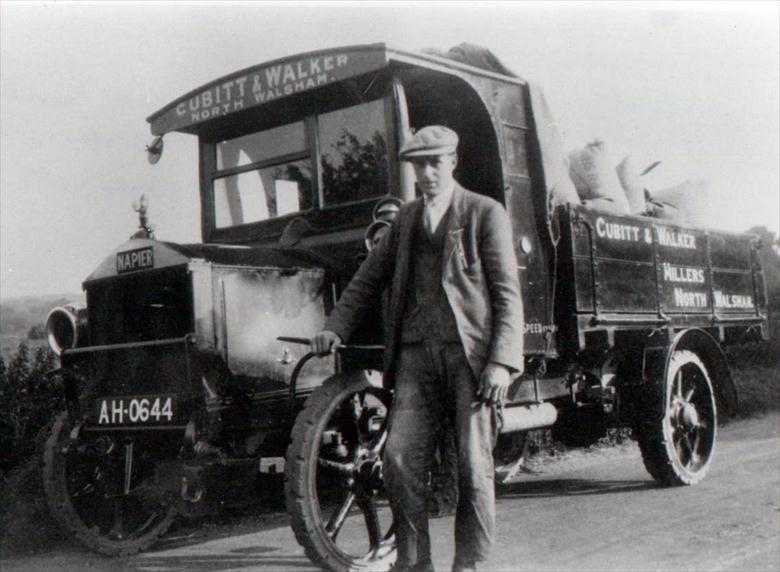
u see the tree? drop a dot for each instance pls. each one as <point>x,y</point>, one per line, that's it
<point>14,397</point>
<point>6,429</point>
<point>44,402</point>
<point>36,332</point>
<point>19,368</point>
<point>28,401</point>
<point>353,169</point>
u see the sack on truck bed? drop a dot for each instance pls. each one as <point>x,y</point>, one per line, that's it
<point>560,189</point>
<point>594,177</point>
<point>631,181</point>
<point>685,203</point>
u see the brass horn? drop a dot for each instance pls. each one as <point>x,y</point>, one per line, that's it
<point>66,327</point>
<point>384,213</point>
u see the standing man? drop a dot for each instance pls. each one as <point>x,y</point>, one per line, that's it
<point>453,339</point>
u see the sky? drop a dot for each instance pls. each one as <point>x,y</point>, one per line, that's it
<point>694,85</point>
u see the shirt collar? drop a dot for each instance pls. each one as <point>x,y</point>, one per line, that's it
<point>441,201</point>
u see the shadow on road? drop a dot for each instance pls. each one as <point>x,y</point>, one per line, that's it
<point>569,487</point>
<point>260,558</point>
<point>188,551</point>
<point>218,527</point>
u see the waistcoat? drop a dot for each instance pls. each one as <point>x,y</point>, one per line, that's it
<point>427,313</point>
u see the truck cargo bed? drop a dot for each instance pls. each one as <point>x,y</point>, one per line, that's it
<point>620,272</point>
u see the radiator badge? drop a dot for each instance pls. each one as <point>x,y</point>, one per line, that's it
<point>132,260</point>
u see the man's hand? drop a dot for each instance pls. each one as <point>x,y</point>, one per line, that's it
<point>325,342</point>
<point>494,383</point>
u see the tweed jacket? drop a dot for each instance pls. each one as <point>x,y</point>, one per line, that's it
<point>479,277</point>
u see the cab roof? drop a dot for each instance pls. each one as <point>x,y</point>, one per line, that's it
<point>270,81</point>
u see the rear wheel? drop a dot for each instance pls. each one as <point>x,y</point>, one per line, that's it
<point>333,482</point>
<point>678,448</point>
<point>92,497</point>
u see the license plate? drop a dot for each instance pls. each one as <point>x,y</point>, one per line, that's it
<point>148,409</point>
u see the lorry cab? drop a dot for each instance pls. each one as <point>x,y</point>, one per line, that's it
<point>298,152</point>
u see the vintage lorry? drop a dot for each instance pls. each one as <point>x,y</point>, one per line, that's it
<point>184,376</point>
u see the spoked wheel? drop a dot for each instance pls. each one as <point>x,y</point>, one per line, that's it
<point>90,493</point>
<point>333,483</point>
<point>678,449</point>
<point>510,455</point>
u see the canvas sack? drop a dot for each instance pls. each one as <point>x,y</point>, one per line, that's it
<point>594,177</point>
<point>631,181</point>
<point>685,203</point>
<point>560,189</point>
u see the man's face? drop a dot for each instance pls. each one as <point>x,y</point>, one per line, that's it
<point>434,173</point>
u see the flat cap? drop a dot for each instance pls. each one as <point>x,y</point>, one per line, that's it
<point>430,140</point>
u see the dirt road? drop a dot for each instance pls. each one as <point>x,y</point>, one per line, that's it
<point>587,511</point>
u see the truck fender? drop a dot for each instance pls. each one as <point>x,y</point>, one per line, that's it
<point>656,361</point>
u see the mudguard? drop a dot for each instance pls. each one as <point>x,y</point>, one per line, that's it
<point>657,358</point>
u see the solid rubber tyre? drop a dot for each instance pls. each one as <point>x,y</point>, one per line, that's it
<point>72,484</point>
<point>346,467</point>
<point>677,448</point>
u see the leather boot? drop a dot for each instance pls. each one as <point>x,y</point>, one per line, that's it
<point>464,566</point>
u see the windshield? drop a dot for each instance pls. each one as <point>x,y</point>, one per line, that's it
<point>271,173</point>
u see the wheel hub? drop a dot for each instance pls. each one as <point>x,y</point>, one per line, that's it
<point>689,416</point>
<point>368,470</point>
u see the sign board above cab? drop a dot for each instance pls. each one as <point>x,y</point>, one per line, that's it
<point>267,82</point>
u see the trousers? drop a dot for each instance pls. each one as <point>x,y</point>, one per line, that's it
<point>433,382</point>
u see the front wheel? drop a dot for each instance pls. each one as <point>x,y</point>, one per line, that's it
<point>90,493</point>
<point>678,448</point>
<point>333,478</point>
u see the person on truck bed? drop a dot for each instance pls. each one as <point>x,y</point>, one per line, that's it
<point>453,340</point>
